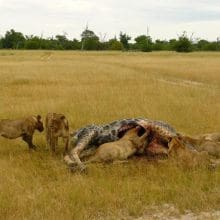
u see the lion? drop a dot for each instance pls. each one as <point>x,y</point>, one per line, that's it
<point>209,137</point>
<point>213,148</point>
<point>207,142</point>
<point>185,156</point>
<point>24,128</point>
<point>56,126</point>
<point>122,149</point>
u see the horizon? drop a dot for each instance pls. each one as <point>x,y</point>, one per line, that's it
<point>165,19</point>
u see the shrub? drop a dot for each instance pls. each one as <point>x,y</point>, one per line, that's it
<point>183,44</point>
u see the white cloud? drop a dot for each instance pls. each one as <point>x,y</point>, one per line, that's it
<point>166,18</point>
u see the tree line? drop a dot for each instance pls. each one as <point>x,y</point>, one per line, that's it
<point>90,41</point>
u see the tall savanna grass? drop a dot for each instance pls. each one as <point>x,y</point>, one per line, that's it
<point>98,87</point>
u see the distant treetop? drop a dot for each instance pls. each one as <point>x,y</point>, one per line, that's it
<point>90,41</point>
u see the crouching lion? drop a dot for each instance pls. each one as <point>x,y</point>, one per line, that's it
<point>205,142</point>
<point>186,157</point>
<point>24,128</point>
<point>209,137</point>
<point>120,150</point>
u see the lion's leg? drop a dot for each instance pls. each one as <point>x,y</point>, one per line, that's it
<point>28,139</point>
<point>66,141</point>
<point>54,144</point>
<point>51,140</point>
<point>47,139</point>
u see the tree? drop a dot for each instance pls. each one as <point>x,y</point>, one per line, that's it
<point>76,45</point>
<point>211,46</point>
<point>61,39</point>
<point>172,44</point>
<point>89,40</point>
<point>62,42</point>
<point>161,45</point>
<point>114,44</point>
<point>144,43</point>
<point>49,44</point>
<point>32,42</point>
<point>13,40</point>
<point>124,39</point>
<point>204,45</point>
<point>1,44</point>
<point>183,44</point>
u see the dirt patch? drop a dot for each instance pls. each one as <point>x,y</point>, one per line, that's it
<point>169,212</point>
<point>181,82</point>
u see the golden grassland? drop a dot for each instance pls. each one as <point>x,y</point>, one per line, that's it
<point>98,87</point>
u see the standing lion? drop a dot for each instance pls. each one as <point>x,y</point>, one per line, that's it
<point>24,128</point>
<point>56,126</point>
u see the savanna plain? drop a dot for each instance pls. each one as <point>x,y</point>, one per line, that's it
<point>99,87</point>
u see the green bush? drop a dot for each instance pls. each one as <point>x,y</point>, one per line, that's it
<point>183,44</point>
<point>116,45</point>
<point>143,43</point>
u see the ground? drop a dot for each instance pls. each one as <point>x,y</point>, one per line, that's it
<point>98,87</point>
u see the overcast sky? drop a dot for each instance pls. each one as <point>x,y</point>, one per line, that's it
<point>165,18</point>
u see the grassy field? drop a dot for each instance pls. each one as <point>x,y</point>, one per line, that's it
<point>98,87</point>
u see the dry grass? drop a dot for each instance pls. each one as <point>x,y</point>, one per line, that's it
<point>98,87</point>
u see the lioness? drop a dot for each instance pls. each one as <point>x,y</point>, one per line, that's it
<point>209,137</point>
<point>24,128</point>
<point>120,150</point>
<point>207,142</point>
<point>56,126</point>
<point>186,157</point>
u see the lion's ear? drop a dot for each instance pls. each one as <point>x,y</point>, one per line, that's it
<point>38,117</point>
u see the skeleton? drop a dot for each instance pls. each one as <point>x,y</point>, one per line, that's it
<point>96,135</point>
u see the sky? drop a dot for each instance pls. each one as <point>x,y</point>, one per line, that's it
<point>165,19</point>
